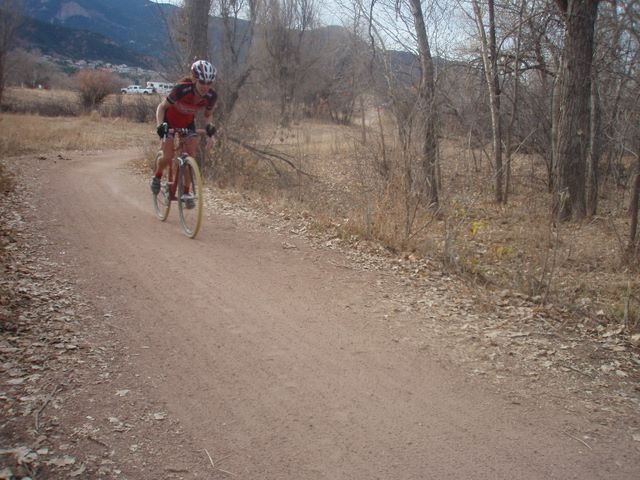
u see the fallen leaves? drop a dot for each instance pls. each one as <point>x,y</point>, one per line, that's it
<point>47,361</point>
<point>39,350</point>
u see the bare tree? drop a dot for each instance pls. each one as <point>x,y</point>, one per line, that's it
<point>340,76</point>
<point>188,37</point>
<point>426,94</point>
<point>287,24</point>
<point>490,62</point>
<point>233,54</point>
<point>30,69</point>
<point>514,58</point>
<point>9,23</point>
<point>540,50</point>
<point>573,120</point>
<point>634,205</point>
<point>196,15</point>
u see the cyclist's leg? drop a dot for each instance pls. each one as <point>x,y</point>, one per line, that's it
<point>191,147</point>
<point>167,154</point>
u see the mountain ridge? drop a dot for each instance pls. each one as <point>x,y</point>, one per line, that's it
<point>134,32</point>
<point>75,44</point>
<point>136,28</point>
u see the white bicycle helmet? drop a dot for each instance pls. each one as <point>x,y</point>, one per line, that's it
<point>203,71</point>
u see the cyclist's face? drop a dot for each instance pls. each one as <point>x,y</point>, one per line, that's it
<point>202,87</point>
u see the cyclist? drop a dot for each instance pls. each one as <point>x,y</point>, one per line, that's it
<point>178,110</point>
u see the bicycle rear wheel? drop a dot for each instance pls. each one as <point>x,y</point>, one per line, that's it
<point>161,201</point>
<point>190,205</point>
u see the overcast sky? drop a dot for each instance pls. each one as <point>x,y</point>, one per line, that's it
<point>330,15</point>
<point>444,25</point>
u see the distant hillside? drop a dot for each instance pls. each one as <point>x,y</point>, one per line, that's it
<point>75,44</point>
<point>135,25</point>
<point>135,32</point>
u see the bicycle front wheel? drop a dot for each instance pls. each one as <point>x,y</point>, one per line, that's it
<point>161,201</point>
<point>190,204</point>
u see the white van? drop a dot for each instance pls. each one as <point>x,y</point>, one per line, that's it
<point>137,89</point>
<point>160,87</point>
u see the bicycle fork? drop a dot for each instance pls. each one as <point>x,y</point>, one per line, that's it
<point>174,177</point>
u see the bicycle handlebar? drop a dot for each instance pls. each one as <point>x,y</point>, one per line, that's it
<point>186,131</point>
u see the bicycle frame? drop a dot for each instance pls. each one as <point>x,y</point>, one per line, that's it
<point>179,162</point>
<point>183,184</point>
<point>179,157</point>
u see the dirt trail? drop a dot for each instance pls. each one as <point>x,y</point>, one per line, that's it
<point>280,360</point>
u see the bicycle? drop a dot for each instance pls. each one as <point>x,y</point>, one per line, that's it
<point>182,169</point>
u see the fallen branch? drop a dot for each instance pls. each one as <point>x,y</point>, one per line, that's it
<point>210,459</point>
<point>99,442</point>
<point>576,370</point>
<point>269,154</point>
<point>214,465</point>
<point>44,405</point>
<point>578,440</point>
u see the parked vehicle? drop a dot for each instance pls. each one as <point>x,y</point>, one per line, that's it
<point>160,87</point>
<point>137,89</point>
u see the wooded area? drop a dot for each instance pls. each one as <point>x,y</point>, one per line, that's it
<point>560,82</point>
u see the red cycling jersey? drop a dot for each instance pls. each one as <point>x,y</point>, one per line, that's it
<point>185,102</point>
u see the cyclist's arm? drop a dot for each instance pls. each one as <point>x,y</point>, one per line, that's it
<point>212,105</point>
<point>161,110</point>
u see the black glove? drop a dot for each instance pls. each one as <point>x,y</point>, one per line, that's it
<point>163,129</point>
<point>211,130</point>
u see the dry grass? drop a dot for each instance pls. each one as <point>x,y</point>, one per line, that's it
<point>581,265</point>
<point>45,102</point>
<point>28,134</point>
<point>14,95</point>
<point>57,103</point>
<point>27,95</point>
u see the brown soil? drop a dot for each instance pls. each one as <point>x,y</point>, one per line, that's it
<point>259,350</point>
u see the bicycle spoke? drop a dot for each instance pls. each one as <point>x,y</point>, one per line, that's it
<point>190,204</point>
<point>161,203</point>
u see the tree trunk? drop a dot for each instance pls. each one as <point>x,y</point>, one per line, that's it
<point>546,85</point>
<point>595,149</point>
<point>490,61</point>
<point>233,94</point>
<point>555,114</point>
<point>494,87</point>
<point>514,104</point>
<point>232,47</point>
<point>197,22</point>
<point>426,96</point>
<point>571,147</point>
<point>633,213</point>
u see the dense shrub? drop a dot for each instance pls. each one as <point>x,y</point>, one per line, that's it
<point>139,108</point>
<point>94,86</point>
